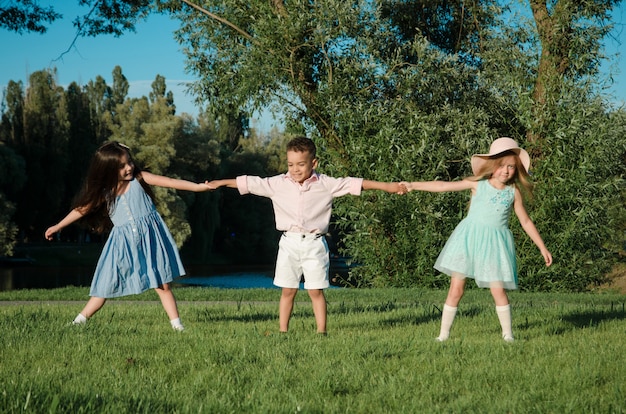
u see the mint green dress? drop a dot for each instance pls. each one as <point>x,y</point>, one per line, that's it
<point>481,246</point>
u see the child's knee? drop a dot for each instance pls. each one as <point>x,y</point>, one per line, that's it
<point>317,295</point>
<point>289,293</point>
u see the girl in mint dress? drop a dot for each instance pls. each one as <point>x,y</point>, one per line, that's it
<point>481,247</point>
<point>140,253</point>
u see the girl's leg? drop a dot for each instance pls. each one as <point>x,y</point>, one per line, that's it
<point>503,309</point>
<point>169,304</point>
<point>457,288</point>
<point>287,298</point>
<point>318,300</point>
<point>93,305</point>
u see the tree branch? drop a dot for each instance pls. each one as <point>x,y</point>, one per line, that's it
<point>219,19</point>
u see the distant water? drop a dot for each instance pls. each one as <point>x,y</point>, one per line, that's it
<point>26,276</point>
<point>233,281</point>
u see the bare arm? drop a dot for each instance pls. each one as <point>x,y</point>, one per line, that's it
<point>388,187</point>
<point>71,217</point>
<point>529,227</point>
<point>161,181</point>
<point>440,186</point>
<point>230,183</point>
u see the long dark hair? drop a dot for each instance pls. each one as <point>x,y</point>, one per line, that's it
<point>99,191</point>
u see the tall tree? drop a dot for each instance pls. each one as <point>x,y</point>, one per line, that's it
<point>150,128</point>
<point>100,108</point>
<point>570,34</point>
<point>82,141</point>
<point>13,113</point>
<point>44,148</point>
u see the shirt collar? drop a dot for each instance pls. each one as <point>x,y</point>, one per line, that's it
<point>313,178</point>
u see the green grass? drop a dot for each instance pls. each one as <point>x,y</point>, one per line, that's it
<point>380,354</point>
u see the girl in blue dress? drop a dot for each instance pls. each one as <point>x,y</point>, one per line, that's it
<point>140,252</point>
<point>481,247</point>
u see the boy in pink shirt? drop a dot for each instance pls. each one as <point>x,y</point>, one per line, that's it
<point>302,201</point>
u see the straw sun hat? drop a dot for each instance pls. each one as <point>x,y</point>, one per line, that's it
<point>497,147</point>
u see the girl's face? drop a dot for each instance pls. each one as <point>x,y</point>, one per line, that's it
<point>505,169</point>
<point>300,165</point>
<point>126,168</point>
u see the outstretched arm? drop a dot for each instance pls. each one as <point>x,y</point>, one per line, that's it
<point>440,186</point>
<point>388,187</point>
<point>71,217</point>
<point>161,181</point>
<point>230,183</point>
<point>529,227</point>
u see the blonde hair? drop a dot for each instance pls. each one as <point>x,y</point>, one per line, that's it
<point>521,179</point>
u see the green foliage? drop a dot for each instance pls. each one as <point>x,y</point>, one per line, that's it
<point>388,93</point>
<point>48,136</point>
<point>12,179</point>
<point>8,229</point>
<point>577,203</point>
<point>26,16</point>
<point>247,230</point>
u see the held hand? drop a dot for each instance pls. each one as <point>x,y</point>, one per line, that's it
<point>212,185</point>
<point>397,188</point>
<point>408,187</point>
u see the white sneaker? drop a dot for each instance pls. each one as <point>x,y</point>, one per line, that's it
<point>441,338</point>
<point>178,328</point>
<point>508,338</point>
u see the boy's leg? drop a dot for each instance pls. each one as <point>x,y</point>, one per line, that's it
<point>318,300</point>
<point>287,297</point>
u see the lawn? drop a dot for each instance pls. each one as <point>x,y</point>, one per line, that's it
<point>380,355</point>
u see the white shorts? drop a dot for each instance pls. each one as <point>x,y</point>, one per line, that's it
<point>302,254</point>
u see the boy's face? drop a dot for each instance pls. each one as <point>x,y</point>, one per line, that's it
<point>300,165</point>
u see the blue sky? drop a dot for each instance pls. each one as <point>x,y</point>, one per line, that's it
<point>152,50</point>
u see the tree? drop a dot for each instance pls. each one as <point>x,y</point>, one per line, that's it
<point>26,16</point>
<point>12,178</point>
<point>570,34</point>
<point>383,102</point>
<point>102,16</point>
<point>43,144</point>
<point>150,128</point>
<point>393,94</point>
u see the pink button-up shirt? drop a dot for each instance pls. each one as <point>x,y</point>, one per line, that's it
<point>302,208</point>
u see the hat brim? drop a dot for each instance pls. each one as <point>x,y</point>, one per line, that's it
<point>478,160</point>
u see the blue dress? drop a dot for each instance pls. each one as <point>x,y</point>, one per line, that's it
<point>140,252</point>
<point>481,246</point>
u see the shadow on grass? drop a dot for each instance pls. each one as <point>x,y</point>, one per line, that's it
<point>569,321</point>
<point>590,319</point>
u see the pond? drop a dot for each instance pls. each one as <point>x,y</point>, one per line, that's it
<point>28,276</point>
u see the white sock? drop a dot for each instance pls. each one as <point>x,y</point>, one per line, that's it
<point>177,325</point>
<point>447,317</point>
<point>80,319</point>
<point>504,315</point>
